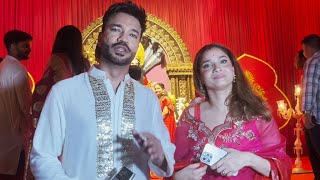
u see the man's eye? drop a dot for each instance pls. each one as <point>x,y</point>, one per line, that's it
<point>134,36</point>
<point>115,29</point>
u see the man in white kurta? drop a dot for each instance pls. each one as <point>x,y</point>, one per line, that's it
<point>67,129</point>
<point>89,123</point>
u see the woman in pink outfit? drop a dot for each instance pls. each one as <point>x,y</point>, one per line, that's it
<point>231,117</point>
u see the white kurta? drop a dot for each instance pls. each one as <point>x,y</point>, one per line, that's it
<point>65,145</point>
<point>15,100</point>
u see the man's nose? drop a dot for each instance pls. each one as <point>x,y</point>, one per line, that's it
<point>123,37</point>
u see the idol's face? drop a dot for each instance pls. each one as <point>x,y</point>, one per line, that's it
<point>119,41</point>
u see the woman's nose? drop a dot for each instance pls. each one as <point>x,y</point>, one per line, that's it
<point>216,68</point>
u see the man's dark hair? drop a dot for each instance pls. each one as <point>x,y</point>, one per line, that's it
<point>135,72</point>
<point>312,40</point>
<point>127,7</point>
<point>15,36</point>
<point>1,59</point>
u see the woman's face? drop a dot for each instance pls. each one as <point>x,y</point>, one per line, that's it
<point>217,72</point>
<point>158,90</point>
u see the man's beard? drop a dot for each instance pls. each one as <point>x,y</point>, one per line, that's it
<point>21,55</point>
<point>109,58</point>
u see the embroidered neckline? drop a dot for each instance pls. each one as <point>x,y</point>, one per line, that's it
<point>235,125</point>
<point>210,134</point>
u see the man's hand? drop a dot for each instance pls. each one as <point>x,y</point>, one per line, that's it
<point>307,119</point>
<point>152,146</point>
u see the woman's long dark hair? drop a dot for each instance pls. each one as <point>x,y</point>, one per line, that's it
<point>69,42</point>
<point>242,101</point>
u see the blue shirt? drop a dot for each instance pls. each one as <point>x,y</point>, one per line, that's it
<point>311,86</point>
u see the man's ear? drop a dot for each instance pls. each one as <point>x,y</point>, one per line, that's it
<point>12,48</point>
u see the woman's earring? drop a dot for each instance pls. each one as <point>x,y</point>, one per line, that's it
<point>234,78</point>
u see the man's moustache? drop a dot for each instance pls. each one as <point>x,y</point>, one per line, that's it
<point>121,43</point>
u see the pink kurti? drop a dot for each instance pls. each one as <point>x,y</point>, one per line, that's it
<point>256,135</point>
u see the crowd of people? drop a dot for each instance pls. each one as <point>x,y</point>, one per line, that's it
<point>101,122</point>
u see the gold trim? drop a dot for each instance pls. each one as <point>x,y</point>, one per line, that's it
<point>128,124</point>
<point>104,135</point>
<point>33,85</point>
<point>275,82</point>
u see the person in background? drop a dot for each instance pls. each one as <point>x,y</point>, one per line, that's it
<point>310,101</point>
<point>66,61</point>
<point>167,114</point>
<point>231,117</point>
<point>299,62</point>
<point>167,109</point>
<point>101,122</point>
<point>15,102</point>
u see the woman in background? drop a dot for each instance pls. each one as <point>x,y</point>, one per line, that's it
<point>167,109</point>
<point>66,61</point>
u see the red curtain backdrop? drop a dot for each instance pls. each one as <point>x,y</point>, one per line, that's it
<point>268,29</point>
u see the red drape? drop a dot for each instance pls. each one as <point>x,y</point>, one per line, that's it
<point>268,29</point>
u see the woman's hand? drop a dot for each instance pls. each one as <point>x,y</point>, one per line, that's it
<point>235,160</point>
<point>191,172</point>
<point>231,163</point>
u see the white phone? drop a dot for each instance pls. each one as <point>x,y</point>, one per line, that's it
<point>212,154</point>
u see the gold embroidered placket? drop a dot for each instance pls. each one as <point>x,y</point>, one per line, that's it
<point>127,123</point>
<point>104,126</point>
